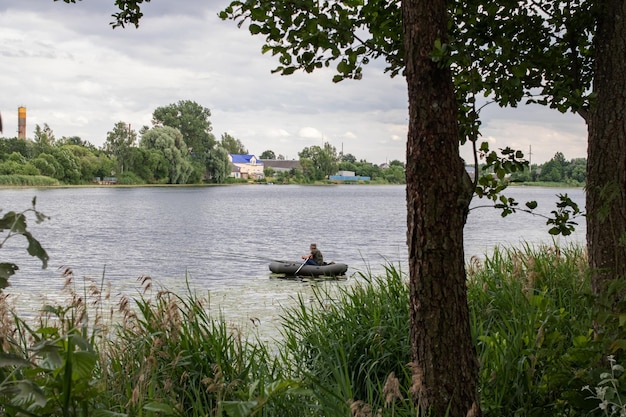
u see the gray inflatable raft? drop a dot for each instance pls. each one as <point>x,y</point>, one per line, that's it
<point>289,268</point>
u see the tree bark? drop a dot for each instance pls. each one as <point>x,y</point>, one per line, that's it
<point>606,152</point>
<point>445,365</point>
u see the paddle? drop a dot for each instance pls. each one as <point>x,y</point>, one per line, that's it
<point>298,270</point>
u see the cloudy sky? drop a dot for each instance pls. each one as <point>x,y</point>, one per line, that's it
<point>65,64</point>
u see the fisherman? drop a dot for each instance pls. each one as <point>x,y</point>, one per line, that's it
<point>315,257</point>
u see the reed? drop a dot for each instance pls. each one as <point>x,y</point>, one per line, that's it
<point>19,180</point>
<point>49,365</point>
<point>532,315</point>
<point>170,355</point>
<point>346,344</point>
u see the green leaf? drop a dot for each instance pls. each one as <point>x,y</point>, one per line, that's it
<point>49,352</point>
<point>6,271</point>
<point>8,359</point>
<point>255,29</point>
<point>343,67</point>
<point>239,408</point>
<point>107,413</point>
<point>618,344</point>
<point>531,205</point>
<point>84,364</point>
<point>29,393</point>
<point>580,341</point>
<point>13,221</point>
<point>35,249</point>
<point>158,407</point>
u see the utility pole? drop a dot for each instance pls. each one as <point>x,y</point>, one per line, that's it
<point>530,158</point>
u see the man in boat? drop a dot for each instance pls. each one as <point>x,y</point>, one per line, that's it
<point>315,257</point>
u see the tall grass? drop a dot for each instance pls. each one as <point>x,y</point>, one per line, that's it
<point>347,344</point>
<point>48,366</point>
<point>171,356</point>
<point>27,180</point>
<point>532,319</point>
<point>542,339</point>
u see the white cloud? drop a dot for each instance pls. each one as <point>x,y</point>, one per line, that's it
<point>310,133</point>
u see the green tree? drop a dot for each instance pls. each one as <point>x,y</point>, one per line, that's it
<point>118,144</point>
<point>88,162</point>
<point>10,145</point>
<point>268,172</point>
<point>46,164</point>
<point>17,158</point>
<point>232,145</point>
<point>324,161</point>
<point>367,169</point>
<point>348,158</point>
<point>438,196</point>
<point>522,176</point>
<point>606,182</point>
<point>106,165</point>
<point>394,174</point>
<point>149,164</point>
<point>578,170</point>
<point>44,136</point>
<point>169,141</point>
<point>15,163</point>
<point>75,140</point>
<point>308,170</point>
<point>554,169</point>
<point>68,165</point>
<point>218,166</point>
<point>347,166</point>
<point>268,154</point>
<point>192,121</point>
<point>438,189</point>
<point>567,55</point>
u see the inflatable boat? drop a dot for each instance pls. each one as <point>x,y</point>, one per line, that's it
<point>288,268</point>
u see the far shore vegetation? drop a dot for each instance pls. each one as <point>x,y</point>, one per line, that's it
<point>71,161</point>
<point>173,152</point>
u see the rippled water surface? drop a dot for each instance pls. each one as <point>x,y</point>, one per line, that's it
<point>220,239</point>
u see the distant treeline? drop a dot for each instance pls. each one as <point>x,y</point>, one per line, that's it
<point>556,170</point>
<point>72,161</point>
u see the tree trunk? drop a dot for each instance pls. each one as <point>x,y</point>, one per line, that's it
<point>606,152</point>
<point>445,365</point>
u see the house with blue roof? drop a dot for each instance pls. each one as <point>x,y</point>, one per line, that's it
<point>246,167</point>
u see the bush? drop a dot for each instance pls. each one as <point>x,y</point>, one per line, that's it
<point>129,178</point>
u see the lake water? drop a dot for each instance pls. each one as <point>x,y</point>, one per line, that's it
<point>221,239</point>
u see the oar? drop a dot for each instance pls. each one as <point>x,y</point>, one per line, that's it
<point>303,263</point>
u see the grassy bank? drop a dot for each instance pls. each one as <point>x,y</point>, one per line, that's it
<point>542,339</point>
<point>547,184</point>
